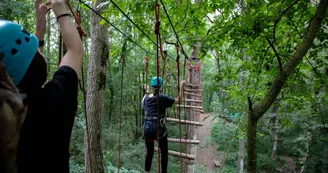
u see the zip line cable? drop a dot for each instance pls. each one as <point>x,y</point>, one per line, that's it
<point>176,34</point>
<point>138,27</point>
<point>132,21</point>
<point>129,38</point>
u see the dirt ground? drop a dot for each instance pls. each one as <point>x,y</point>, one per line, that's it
<point>206,154</point>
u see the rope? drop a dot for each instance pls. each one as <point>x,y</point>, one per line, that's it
<point>146,71</point>
<point>77,18</point>
<point>176,35</point>
<point>157,32</point>
<point>179,108</point>
<point>185,117</point>
<point>146,68</point>
<point>163,71</point>
<point>121,105</point>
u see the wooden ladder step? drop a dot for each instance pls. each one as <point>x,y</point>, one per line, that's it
<point>192,85</point>
<point>192,94</point>
<point>189,106</point>
<point>185,121</point>
<point>191,100</point>
<point>199,110</point>
<point>188,141</point>
<point>193,90</point>
<point>177,154</point>
<point>217,163</point>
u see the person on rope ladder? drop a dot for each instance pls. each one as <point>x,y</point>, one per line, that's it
<point>45,134</point>
<point>149,104</point>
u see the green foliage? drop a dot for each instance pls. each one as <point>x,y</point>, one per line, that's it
<point>237,62</point>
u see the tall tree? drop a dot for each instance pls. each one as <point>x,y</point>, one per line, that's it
<point>257,111</point>
<point>96,82</point>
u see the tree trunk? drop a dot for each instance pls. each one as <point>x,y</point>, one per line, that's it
<point>279,81</point>
<point>305,157</point>
<point>96,82</point>
<point>276,130</point>
<point>251,143</point>
<point>241,155</point>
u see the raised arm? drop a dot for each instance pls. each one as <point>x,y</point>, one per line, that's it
<point>41,11</point>
<point>74,55</point>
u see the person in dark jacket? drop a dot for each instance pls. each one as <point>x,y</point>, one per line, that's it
<point>149,104</point>
<point>45,134</point>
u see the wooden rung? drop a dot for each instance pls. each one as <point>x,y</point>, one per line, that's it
<point>191,100</point>
<point>192,94</point>
<point>188,141</point>
<point>217,163</point>
<point>199,110</point>
<point>193,90</point>
<point>184,121</point>
<point>177,154</point>
<point>189,84</point>
<point>188,106</point>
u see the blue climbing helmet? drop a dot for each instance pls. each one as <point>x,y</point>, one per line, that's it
<point>156,83</point>
<point>18,48</point>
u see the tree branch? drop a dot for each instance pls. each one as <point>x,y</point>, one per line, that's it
<point>290,66</point>
<point>250,104</point>
<point>209,19</point>
<point>276,53</point>
<point>277,21</point>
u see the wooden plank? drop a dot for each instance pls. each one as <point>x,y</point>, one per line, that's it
<point>188,106</point>
<point>177,154</point>
<point>188,141</point>
<point>199,110</point>
<point>193,90</point>
<point>217,163</point>
<point>192,85</point>
<point>185,121</point>
<point>191,100</point>
<point>192,94</point>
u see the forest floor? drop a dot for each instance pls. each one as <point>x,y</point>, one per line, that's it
<point>206,153</point>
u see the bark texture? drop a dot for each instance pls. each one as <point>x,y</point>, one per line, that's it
<point>96,82</point>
